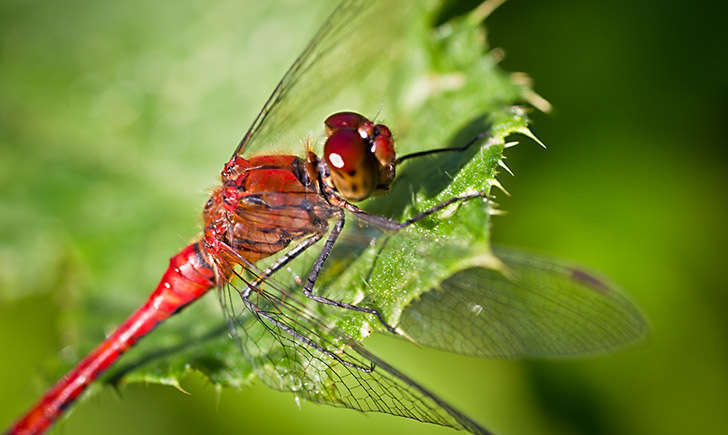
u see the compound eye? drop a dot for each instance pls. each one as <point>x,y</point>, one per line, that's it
<point>344,151</point>
<point>343,120</point>
<point>353,168</point>
<point>383,145</point>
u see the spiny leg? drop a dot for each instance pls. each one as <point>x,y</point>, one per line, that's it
<point>285,259</point>
<point>300,338</point>
<point>390,224</point>
<point>260,278</point>
<point>289,256</point>
<point>313,276</point>
<point>379,221</point>
<point>270,270</point>
<point>461,148</point>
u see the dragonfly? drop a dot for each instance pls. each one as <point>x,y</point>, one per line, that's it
<point>271,209</point>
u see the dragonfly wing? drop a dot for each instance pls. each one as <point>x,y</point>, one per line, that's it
<point>293,349</point>
<point>535,308</point>
<point>358,36</point>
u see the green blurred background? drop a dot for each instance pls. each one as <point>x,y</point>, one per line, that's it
<point>116,117</point>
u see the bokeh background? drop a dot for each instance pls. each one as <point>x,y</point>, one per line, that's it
<point>632,185</point>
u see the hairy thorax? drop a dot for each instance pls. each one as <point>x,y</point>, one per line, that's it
<point>263,204</point>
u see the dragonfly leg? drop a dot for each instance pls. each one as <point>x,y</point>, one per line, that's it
<point>390,224</point>
<point>287,258</point>
<point>270,270</point>
<point>261,276</point>
<point>301,338</point>
<point>313,276</point>
<point>472,141</point>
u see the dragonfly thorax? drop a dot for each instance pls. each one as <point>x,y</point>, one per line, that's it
<point>264,203</point>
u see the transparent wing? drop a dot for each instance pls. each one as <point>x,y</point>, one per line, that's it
<point>292,348</point>
<point>536,308</point>
<point>341,68</point>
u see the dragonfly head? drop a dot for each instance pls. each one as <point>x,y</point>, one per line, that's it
<point>359,154</point>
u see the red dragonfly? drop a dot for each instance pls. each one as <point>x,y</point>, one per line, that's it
<point>277,206</point>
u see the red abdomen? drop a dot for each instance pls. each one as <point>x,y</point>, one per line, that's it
<point>188,277</point>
